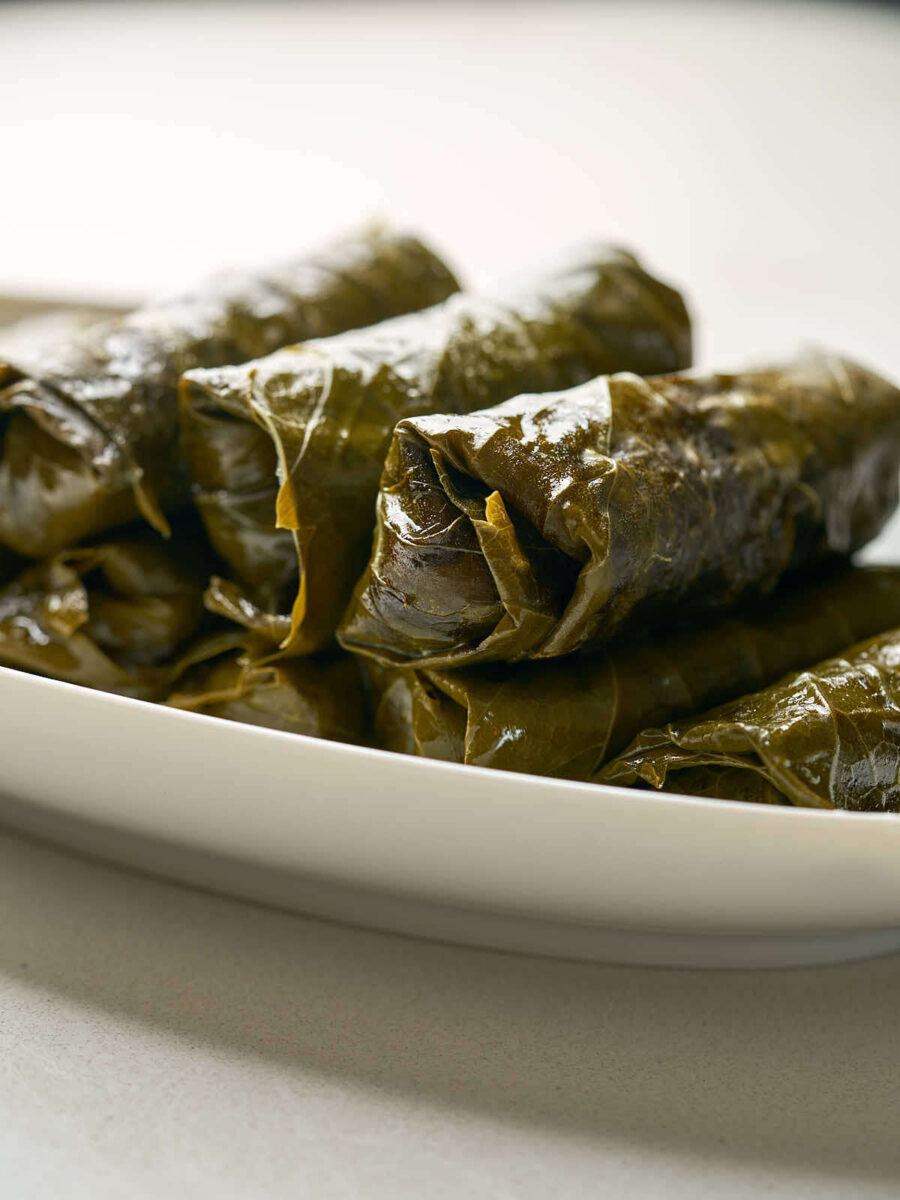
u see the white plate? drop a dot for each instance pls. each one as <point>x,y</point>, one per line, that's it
<point>514,862</point>
<point>429,848</point>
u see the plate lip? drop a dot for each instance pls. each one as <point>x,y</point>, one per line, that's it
<point>668,803</point>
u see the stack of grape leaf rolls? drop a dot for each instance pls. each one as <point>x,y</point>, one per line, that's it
<point>89,429</point>
<point>568,716</point>
<point>90,440</point>
<point>298,439</point>
<point>507,529</point>
<point>552,523</point>
<point>537,567</point>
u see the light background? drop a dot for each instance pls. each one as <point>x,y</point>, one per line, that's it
<point>750,151</point>
<point>156,1042</point>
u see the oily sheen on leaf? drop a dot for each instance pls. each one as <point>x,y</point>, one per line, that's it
<point>565,717</point>
<point>552,523</point>
<point>827,737</point>
<point>324,696</point>
<point>89,431</point>
<point>112,616</point>
<point>286,452</point>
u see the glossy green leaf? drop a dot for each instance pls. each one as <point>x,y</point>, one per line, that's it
<point>567,716</point>
<point>112,616</point>
<point>323,414</point>
<point>548,524</point>
<point>89,432</point>
<point>324,696</point>
<point>828,737</point>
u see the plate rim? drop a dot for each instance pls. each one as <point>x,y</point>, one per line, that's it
<point>645,798</point>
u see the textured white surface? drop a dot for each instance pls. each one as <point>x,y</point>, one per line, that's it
<point>157,1042</point>
<point>161,1043</point>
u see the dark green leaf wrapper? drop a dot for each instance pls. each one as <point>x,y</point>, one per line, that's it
<point>568,716</point>
<point>325,696</point>
<point>548,524</point>
<point>828,737</point>
<point>89,432</point>
<point>112,616</point>
<point>326,410</point>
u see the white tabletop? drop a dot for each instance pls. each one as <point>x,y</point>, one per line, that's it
<point>158,1042</point>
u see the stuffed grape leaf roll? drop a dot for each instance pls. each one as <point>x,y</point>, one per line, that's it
<point>89,432</point>
<point>112,616</point>
<point>548,524</point>
<point>566,717</point>
<point>827,737</point>
<point>298,439</point>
